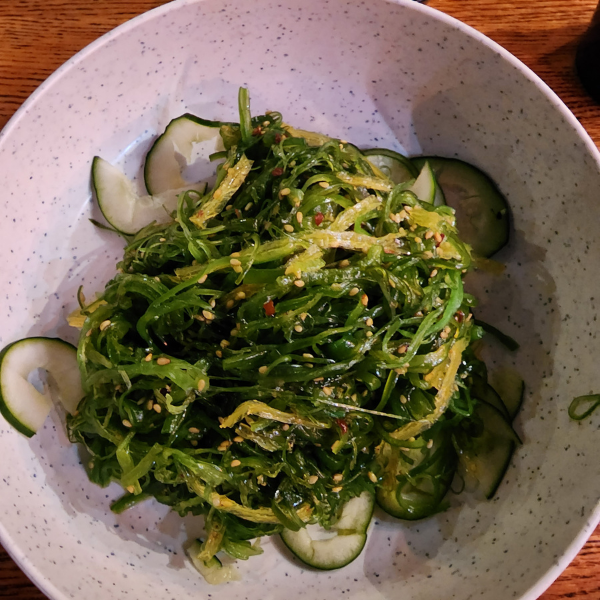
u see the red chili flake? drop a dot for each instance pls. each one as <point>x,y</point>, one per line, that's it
<point>256,131</point>
<point>341,423</point>
<point>277,172</point>
<point>388,251</point>
<point>238,213</point>
<point>460,316</point>
<point>318,219</point>
<point>442,236</point>
<point>269,308</point>
<point>277,138</point>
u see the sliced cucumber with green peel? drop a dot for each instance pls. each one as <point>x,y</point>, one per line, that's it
<point>485,458</point>
<point>213,571</point>
<point>483,391</point>
<point>426,188</point>
<point>510,387</point>
<point>416,480</point>
<point>21,404</point>
<point>482,213</point>
<point>392,164</point>
<point>122,207</point>
<point>163,169</point>
<point>338,546</point>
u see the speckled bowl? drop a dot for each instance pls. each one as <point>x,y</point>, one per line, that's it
<point>379,74</point>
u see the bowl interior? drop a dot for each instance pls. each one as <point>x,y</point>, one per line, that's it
<point>378,74</point>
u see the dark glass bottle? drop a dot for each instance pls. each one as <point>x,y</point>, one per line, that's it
<point>587,59</point>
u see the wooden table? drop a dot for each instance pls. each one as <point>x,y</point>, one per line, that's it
<point>37,36</point>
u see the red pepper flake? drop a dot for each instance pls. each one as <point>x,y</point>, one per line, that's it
<point>318,219</point>
<point>277,172</point>
<point>341,423</point>
<point>442,236</point>
<point>269,308</point>
<point>238,213</point>
<point>388,251</point>
<point>460,316</point>
<point>277,138</point>
<point>256,131</point>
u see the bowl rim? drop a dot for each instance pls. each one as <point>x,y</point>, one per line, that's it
<point>570,552</point>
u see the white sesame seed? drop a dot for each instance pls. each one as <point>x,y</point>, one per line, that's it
<point>285,192</point>
<point>323,184</point>
<point>343,142</point>
<point>233,332</point>
<point>285,427</point>
<point>344,263</point>
<point>194,430</point>
<point>162,240</point>
<point>309,365</point>
<point>127,423</point>
<point>402,349</point>
<point>229,304</point>
<point>430,444</point>
<point>428,234</point>
<point>298,328</point>
<point>433,273</point>
<point>224,343</point>
<point>418,240</point>
<point>288,228</point>
<point>369,334</point>
<point>148,357</point>
<point>238,269</point>
<point>372,477</point>
<point>219,354</point>
<point>336,489</point>
<point>303,316</point>
<point>212,302</point>
<point>437,237</point>
<point>202,279</point>
<point>240,295</point>
<point>236,463</point>
<point>299,283</point>
<point>201,384</point>
<point>364,300</point>
<point>337,477</point>
<point>248,206</point>
<point>234,255</point>
<point>157,408</point>
<point>149,404</point>
<point>327,391</point>
<point>208,315</point>
<point>403,399</point>
<point>89,332</point>
<point>313,479</point>
<point>163,361</point>
<point>307,355</point>
<point>104,324</point>
<point>353,291</point>
<point>299,217</point>
<point>369,322</point>
<point>238,439</point>
<point>262,370</point>
<point>235,262</point>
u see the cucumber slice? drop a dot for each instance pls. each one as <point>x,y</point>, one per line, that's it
<point>162,169</point>
<point>484,459</point>
<point>393,165</point>
<point>483,391</point>
<point>21,404</point>
<point>122,207</point>
<point>482,213</point>
<point>341,544</point>
<point>213,571</point>
<point>416,480</point>
<point>511,388</point>
<point>426,188</point>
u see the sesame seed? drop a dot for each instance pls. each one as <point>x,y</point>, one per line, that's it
<point>262,370</point>
<point>194,430</point>
<point>469,316</point>
<point>372,477</point>
<point>149,405</point>
<point>299,217</point>
<point>201,385</point>
<point>369,334</point>
<point>233,332</point>
<point>202,279</point>
<point>413,227</point>
<point>162,240</point>
<point>157,279</point>
<point>402,349</point>
<point>157,408</point>
<point>392,283</point>
<point>229,207</point>
<point>163,361</point>
<point>238,439</point>
<point>433,273</point>
<point>309,365</point>
<point>212,302</point>
<point>199,318</point>
<point>208,315</point>
<point>444,335</point>
<point>219,354</point>
<point>323,184</point>
<point>364,300</point>
<point>224,343</point>
<point>234,255</point>
<point>307,355</point>
<point>285,426</point>
<point>148,357</point>
<point>313,479</point>
<point>369,322</point>
<point>341,146</point>
<point>288,228</point>
<point>235,262</point>
<point>130,489</point>
<point>236,463</point>
<point>303,316</point>
<point>285,192</point>
<point>354,291</point>
<point>338,477</point>
<point>327,391</point>
<point>344,263</point>
<point>127,423</point>
<point>229,304</point>
<point>430,444</point>
<point>418,240</point>
<point>89,332</point>
<point>104,324</point>
<point>299,283</point>
<point>408,208</point>
<point>248,206</point>
<point>237,269</point>
<point>343,142</point>
<point>428,234</point>
<point>298,328</point>
<point>395,217</point>
<point>403,399</point>
<point>365,393</point>
<point>240,296</point>
<point>336,489</point>
<point>319,379</point>
<point>437,237</point>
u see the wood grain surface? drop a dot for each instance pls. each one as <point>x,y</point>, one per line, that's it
<point>37,36</point>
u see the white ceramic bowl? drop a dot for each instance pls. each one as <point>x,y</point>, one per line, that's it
<point>379,74</point>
